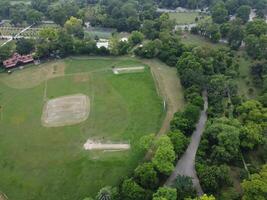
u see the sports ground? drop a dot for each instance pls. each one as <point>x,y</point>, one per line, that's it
<point>50,162</point>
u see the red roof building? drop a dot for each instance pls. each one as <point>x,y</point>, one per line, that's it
<point>17,59</point>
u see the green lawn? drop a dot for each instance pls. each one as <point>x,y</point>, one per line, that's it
<point>197,40</point>
<point>245,80</point>
<point>184,17</point>
<point>104,33</point>
<point>50,163</point>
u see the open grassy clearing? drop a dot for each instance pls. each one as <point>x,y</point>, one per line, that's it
<point>50,163</point>
<point>245,83</point>
<point>197,40</point>
<point>184,17</point>
<point>104,33</point>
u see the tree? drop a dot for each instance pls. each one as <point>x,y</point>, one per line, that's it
<point>212,177</point>
<point>179,142</point>
<point>222,135</point>
<point>146,176</point>
<point>165,193</point>
<point>164,156</point>
<point>5,52</point>
<point>34,16</point>
<point>252,110</point>
<point>46,42</point>
<point>25,46</point>
<point>252,46</point>
<point>235,34</point>
<point>219,13</point>
<point>146,142</point>
<point>40,5</point>
<point>251,135</point>
<point>231,6</point>
<point>130,190</point>
<point>74,27</point>
<point>243,13</point>
<point>185,121</point>
<point>136,37</point>
<point>107,193</point>
<point>255,188</point>
<point>190,70</point>
<point>184,186</point>
<point>256,27</point>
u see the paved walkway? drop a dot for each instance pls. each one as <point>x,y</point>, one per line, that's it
<point>186,164</point>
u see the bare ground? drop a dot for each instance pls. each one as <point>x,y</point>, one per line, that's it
<point>66,110</point>
<point>125,70</point>
<point>96,145</point>
<point>3,196</point>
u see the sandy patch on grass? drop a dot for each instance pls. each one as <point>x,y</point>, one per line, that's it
<point>67,110</point>
<point>125,70</point>
<point>96,145</point>
<point>3,196</point>
<point>81,78</point>
<point>33,76</point>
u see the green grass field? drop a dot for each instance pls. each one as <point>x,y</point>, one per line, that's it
<point>104,33</point>
<point>197,40</point>
<point>185,17</point>
<point>50,163</point>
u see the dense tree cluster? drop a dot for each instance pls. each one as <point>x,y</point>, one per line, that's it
<point>255,187</point>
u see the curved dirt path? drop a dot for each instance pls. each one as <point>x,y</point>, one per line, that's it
<point>169,88</point>
<point>186,164</point>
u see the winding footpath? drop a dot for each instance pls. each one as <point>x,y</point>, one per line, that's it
<point>186,164</point>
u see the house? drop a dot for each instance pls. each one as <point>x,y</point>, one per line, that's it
<point>17,59</point>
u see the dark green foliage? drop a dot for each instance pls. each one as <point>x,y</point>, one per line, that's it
<point>179,141</point>
<point>221,141</point>
<point>185,121</point>
<point>235,35</point>
<point>107,193</point>
<point>25,46</point>
<point>130,190</point>
<point>212,177</point>
<point>165,193</point>
<point>219,13</point>
<point>230,194</point>
<point>255,187</point>
<point>184,186</point>
<point>243,12</point>
<point>146,176</point>
<point>164,156</point>
<point>190,70</point>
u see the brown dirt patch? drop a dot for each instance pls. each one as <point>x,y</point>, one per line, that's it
<point>3,196</point>
<point>33,76</point>
<point>81,78</point>
<point>126,70</point>
<point>67,110</point>
<point>96,145</point>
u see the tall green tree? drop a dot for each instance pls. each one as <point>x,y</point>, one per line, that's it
<point>165,193</point>
<point>164,157</point>
<point>243,13</point>
<point>255,188</point>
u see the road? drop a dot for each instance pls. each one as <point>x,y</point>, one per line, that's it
<point>186,164</point>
